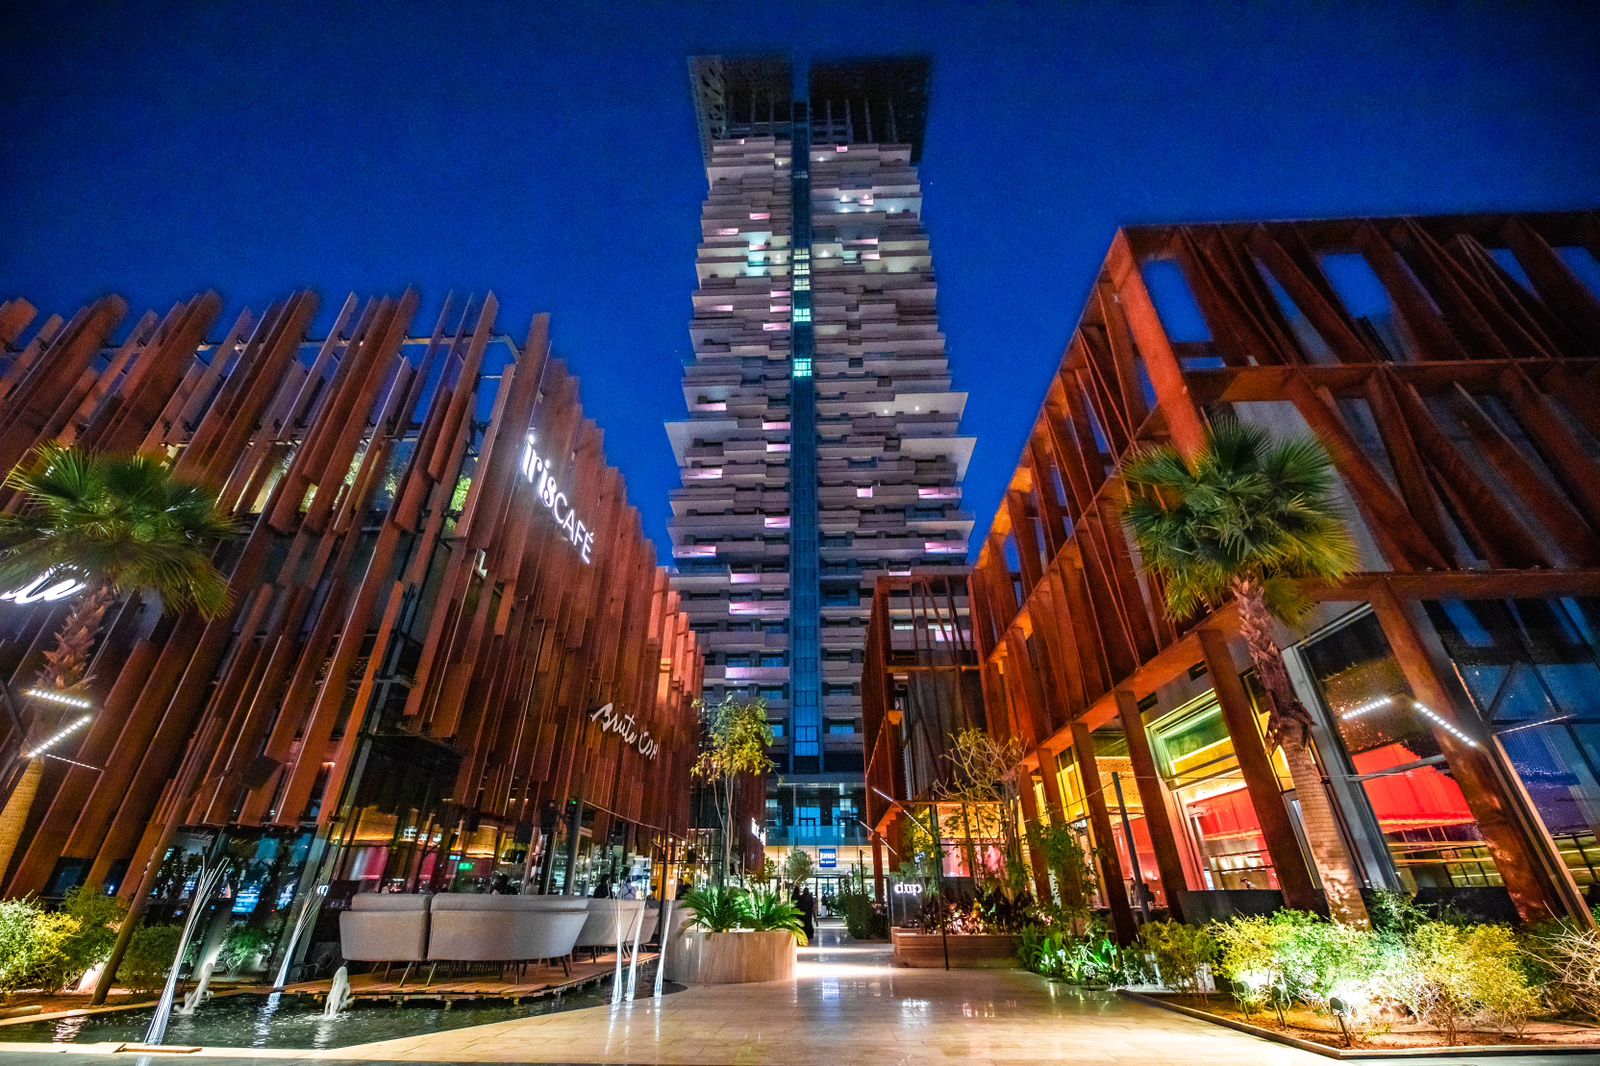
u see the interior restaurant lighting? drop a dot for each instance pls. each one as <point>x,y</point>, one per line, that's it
<point>61,734</point>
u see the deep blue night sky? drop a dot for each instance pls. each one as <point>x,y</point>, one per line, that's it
<point>548,152</point>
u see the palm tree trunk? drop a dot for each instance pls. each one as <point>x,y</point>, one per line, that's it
<point>14,818</point>
<point>1289,728</point>
<point>65,667</point>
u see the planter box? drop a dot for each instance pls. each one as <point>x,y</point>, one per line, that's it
<point>968,951</point>
<point>697,957</point>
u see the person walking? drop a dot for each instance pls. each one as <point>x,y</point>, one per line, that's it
<point>808,913</point>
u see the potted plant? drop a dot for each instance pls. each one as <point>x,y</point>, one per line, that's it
<point>735,936</point>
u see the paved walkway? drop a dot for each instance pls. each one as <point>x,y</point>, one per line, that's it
<point>847,1006</point>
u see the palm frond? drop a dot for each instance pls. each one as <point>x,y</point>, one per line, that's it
<point>1246,505</point>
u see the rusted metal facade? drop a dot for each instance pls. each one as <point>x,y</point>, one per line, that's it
<point>406,569</point>
<point>1449,365</point>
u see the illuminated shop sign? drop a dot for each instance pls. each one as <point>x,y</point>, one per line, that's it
<point>624,726</point>
<point>908,888</point>
<point>537,470</point>
<point>46,588</point>
<point>827,858</point>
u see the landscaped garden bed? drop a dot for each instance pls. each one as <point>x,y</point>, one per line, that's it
<point>1415,980</point>
<point>1305,1027</point>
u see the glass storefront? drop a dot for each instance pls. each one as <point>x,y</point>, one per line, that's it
<point>1195,756</point>
<point>1392,756</point>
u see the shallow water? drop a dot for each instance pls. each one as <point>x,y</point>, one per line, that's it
<point>252,1021</point>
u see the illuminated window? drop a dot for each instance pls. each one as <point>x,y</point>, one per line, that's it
<point>802,367</point>
<point>802,314</point>
<point>802,284</point>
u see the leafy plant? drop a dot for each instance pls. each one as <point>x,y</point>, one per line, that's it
<point>717,909</point>
<point>1066,856</point>
<point>244,944</point>
<point>1247,515</point>
<point>735,742</point>
<point>1181,952</point>
<point>770,912</point>
<point>149,957</point>
<point>864,918</point>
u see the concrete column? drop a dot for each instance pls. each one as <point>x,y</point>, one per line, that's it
<point>1123,925</point>
<point>1526,858</point>
<point>1152,796</point>
<point>1238,714</point>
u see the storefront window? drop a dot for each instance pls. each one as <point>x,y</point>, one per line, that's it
<point>1196,758</point>
<point>1393,755</point>
<point>1531,669</point>
<point>1126,809</point>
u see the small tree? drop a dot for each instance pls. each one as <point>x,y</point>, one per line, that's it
<point>983,785</point>
<point>735,741</point>
<point>798,867</point>
<point>1246,516</point>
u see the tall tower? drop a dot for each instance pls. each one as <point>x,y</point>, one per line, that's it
<point>821,448</point>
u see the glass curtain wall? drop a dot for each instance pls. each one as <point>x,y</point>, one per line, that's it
<point>1532,671</point>
<point>1392,756</point>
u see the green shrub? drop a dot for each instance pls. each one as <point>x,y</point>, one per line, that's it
<point>149,957</point>
<point>1454,975</point>
<point>19,943</point>
<point>244,944</point>
<point>1181,952</point>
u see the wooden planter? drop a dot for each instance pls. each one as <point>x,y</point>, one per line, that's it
<point>697,957</point>
<point>968,951</point>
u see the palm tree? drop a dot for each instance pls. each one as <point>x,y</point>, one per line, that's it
<point>122,525</point>
<point>1248,515</point>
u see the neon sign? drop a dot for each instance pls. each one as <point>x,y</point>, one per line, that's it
<point>537,470</point>
<point>46,588</point>
<point>625,727</point>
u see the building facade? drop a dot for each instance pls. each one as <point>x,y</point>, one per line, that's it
<point>821,448</point>
<point>1449,367</point>
<point>921,686</point>
<point>451,657</point>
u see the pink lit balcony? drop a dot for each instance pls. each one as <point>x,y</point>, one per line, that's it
<point>742,578</point>
<point>756,673</point>
<point>777,446</point>
<point>760,216</point>
<point>775,327</point>
<point>939,493</point>
<point>774,425</point>
<point>758,608</point>
<point>945,547</point>
<point>703,473</point>
<point>695,551</point>
<point>776,521</point>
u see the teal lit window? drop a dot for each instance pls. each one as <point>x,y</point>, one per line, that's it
<point>802,367</point>
<point>802,314</point>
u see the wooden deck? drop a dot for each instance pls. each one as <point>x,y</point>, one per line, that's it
<point>450,986</point>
